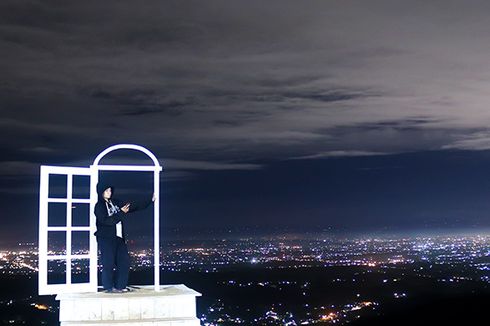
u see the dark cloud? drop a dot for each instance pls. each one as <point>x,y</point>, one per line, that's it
<point>270,78</point>
<point>328,96</point>
<point>241,84</point>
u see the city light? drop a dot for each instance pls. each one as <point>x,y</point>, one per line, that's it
<point>389,263</point>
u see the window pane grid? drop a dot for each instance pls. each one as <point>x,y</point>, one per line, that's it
<point>66,228</point>
<point>61,280</point>
<point>72,200</point>
<point>73,257</point>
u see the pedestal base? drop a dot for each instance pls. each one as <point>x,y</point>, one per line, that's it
<point>173,305</point>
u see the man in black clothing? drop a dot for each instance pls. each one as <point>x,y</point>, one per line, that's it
<point>111,237</point>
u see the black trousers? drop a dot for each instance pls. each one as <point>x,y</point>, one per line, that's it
<point>115,262</point>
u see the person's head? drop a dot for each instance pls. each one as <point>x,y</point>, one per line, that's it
<point>104,191</point>
<point>107,194</point>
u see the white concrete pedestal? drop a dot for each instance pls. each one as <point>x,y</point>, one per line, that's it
<point>173,305</point>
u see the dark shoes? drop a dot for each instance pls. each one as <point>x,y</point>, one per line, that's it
<point>114,290</point>
<point>122,290</point>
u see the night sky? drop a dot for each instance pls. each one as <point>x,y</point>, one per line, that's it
<point>342,115</point>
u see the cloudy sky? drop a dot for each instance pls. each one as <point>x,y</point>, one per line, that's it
<point>323,114</point>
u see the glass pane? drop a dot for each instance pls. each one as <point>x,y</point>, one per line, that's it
<point>80,271</point>
<point>80,242</point>
<point>81,186</point>
<point>57,186</point>
<point>134,185</point>
<point>80,214</point>
<point>56,242</point>
<point>57,271</point>
<point>56,214</point>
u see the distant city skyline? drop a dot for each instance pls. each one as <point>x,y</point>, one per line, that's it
<point>351,116</point>
<point>306,280</point>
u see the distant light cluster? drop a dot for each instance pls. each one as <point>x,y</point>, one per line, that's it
<point>369,252</point>
<point>387,264</point>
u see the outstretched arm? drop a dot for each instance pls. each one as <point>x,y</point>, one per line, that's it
<point>136,206</point>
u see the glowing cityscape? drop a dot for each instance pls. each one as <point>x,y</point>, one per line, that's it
<point>284,277</point>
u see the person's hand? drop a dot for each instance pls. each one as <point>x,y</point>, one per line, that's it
<point>154,198</point>
<point>125,208</point>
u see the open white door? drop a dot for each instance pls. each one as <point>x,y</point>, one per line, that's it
<point>67,246</point>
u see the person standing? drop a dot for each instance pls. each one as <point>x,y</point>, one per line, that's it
<point>111,237</point>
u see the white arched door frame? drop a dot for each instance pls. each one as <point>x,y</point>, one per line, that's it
<point>44,228</point>
<point>96,167</point>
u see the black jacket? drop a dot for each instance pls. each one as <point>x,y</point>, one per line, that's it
<point>106,225</point>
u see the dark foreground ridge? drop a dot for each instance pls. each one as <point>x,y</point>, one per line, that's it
<point>441,310</point>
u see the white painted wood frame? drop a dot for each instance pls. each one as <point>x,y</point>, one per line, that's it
<point>44,228</point>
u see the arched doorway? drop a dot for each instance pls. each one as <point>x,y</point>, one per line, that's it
<point>68,229</point>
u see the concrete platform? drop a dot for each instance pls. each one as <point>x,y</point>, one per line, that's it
<point>173,305</point>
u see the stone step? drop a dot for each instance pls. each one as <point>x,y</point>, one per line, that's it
<point>171,306</point>
<point>153,322</point>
